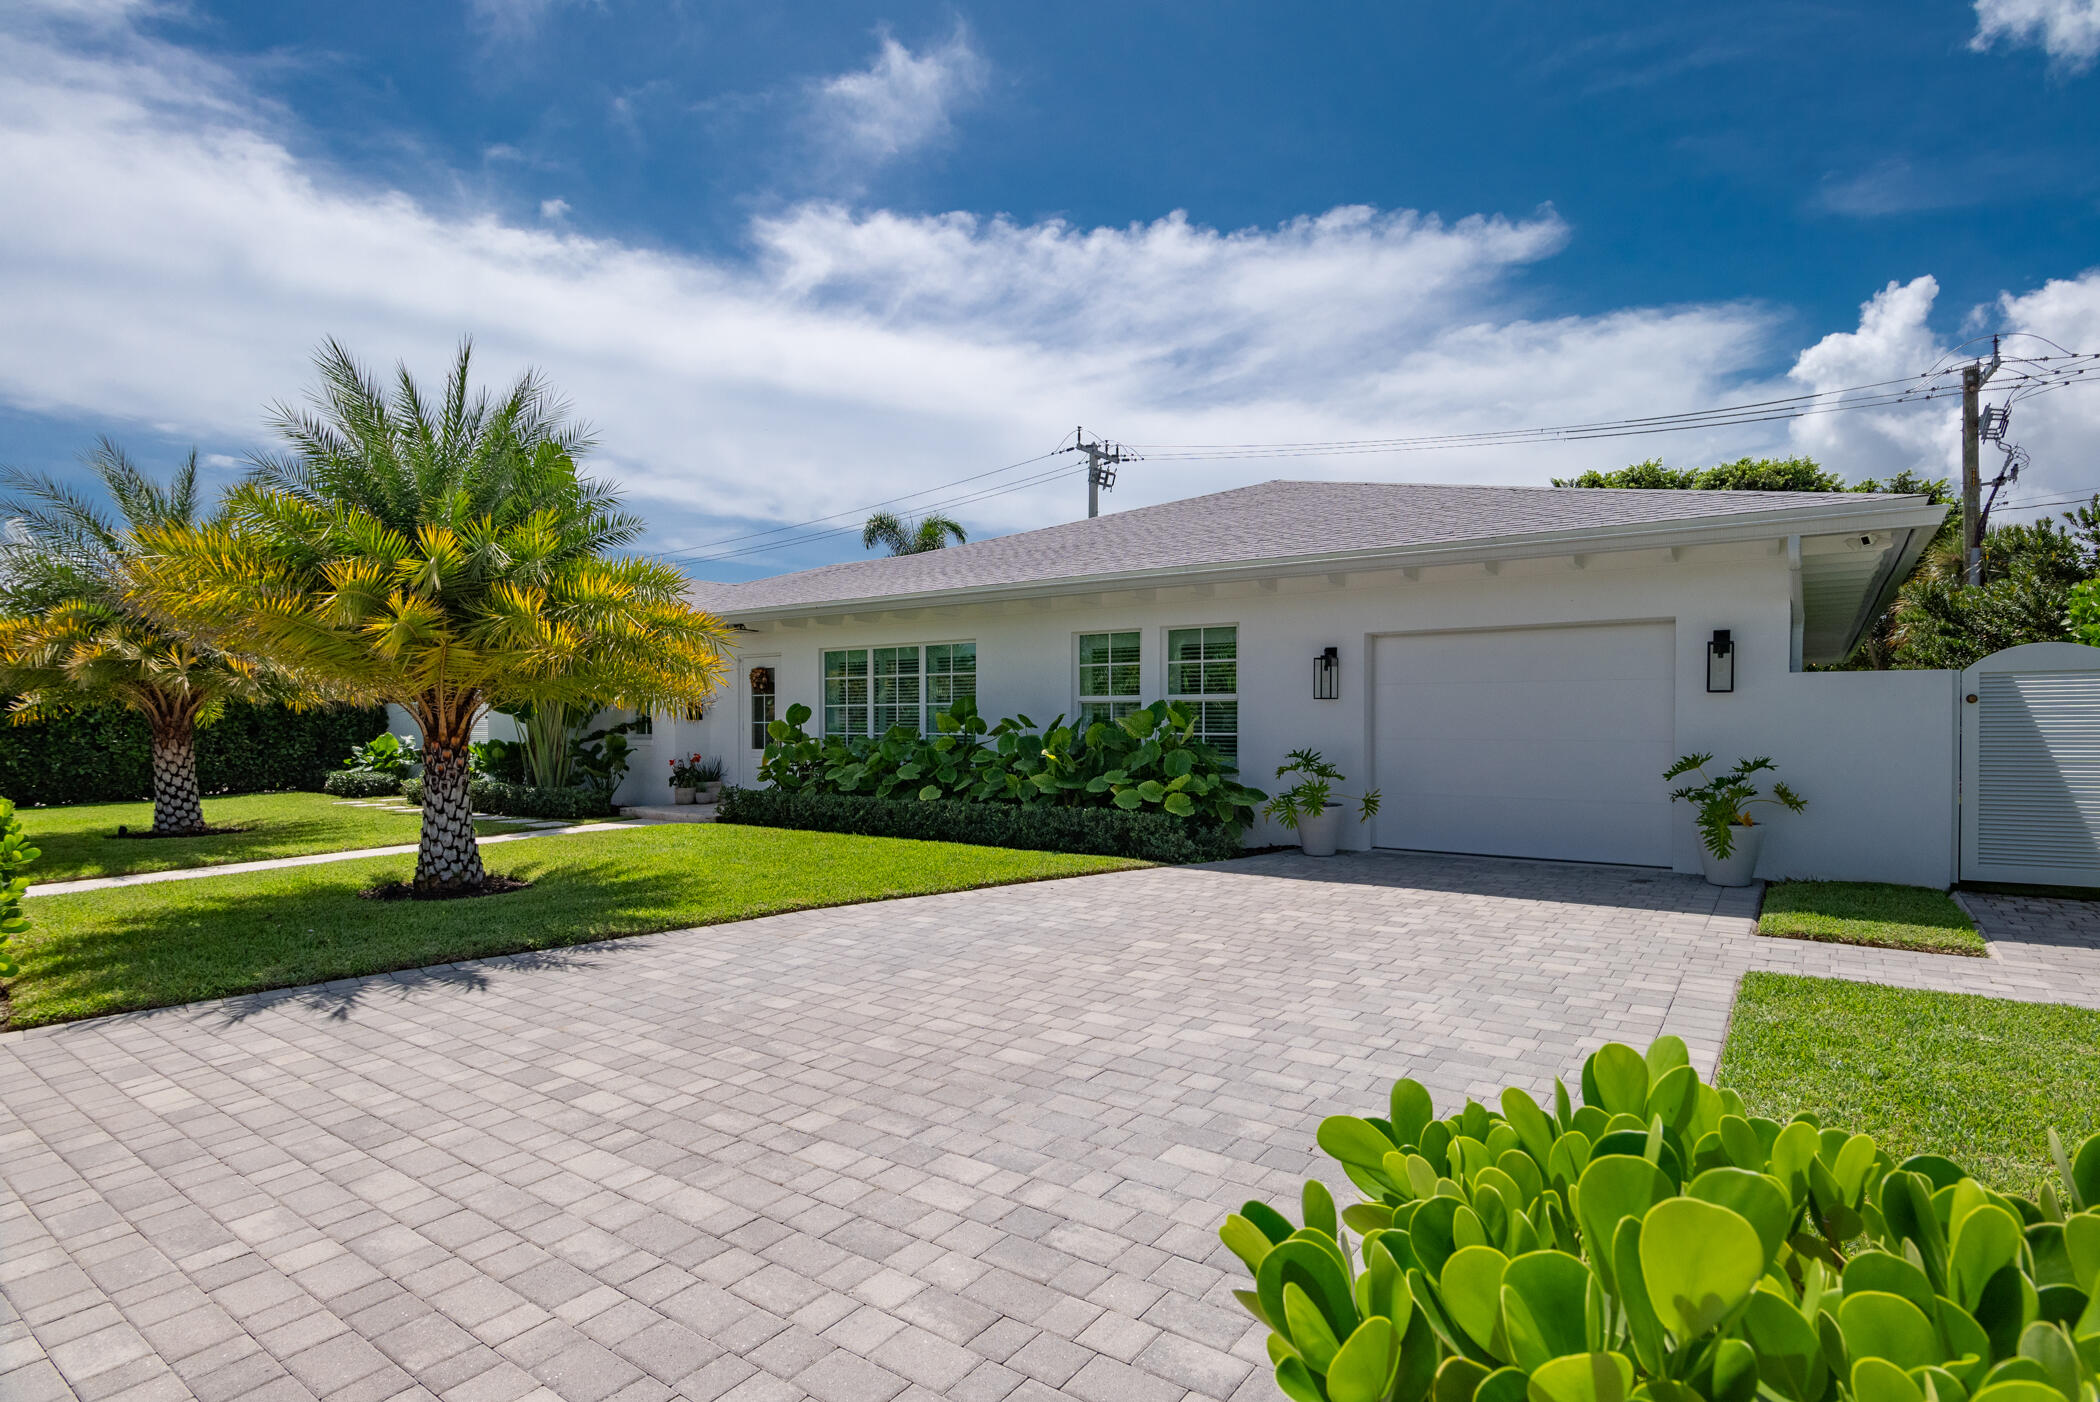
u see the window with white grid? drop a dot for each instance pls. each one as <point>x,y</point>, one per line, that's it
<point>869,691</point>
<point>1108,676</point>
<point>1203,676</point>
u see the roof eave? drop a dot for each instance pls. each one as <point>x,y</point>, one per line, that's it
<point>1831,518</point>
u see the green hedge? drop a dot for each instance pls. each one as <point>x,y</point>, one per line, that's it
<point>1109,832</point>
<point>360,783</point>
<point>525,801</point>
<point>104,754</point>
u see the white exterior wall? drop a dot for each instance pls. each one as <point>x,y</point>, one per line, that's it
<point>1873,752</point>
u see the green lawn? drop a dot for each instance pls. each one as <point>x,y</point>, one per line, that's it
<point>80,840</point>
<point>1868,912</point>
<point>1981,1080</point>
<point>180,941</point>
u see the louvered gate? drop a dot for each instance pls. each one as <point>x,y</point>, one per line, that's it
<point>2030,761</point>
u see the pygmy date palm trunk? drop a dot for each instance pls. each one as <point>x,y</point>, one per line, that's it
<point>178,809</point>
<point>448,858</point>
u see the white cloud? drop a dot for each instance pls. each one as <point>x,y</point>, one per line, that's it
<point>554,209</point>
<point>900,102</point>
<point>1895,340</point>
<point>855,355</point>
<point>2067,30</point>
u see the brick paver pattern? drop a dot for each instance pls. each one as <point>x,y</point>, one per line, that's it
<point>971,1146</point>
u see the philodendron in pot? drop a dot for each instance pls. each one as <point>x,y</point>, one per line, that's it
<point>1730,838</point>
<point>1311,808</point>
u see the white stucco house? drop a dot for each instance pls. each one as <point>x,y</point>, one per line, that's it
<point>1513,667</point>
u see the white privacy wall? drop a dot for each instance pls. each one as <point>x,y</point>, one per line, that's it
<point>1873,753</point>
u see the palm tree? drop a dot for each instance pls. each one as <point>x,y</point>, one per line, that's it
<point>443,556</point>
<point>69,636</point>
<point>910,537</point>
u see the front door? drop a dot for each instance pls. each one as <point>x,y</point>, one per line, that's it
<point>761,677</point>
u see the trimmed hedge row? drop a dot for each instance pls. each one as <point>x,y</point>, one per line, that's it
<point>522,800</point>
<point>1108,832</point>
<point>104,754</point>
<point>360,783</point>
<point>525,801</point>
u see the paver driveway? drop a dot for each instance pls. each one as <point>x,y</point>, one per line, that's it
<point>963,1146</point>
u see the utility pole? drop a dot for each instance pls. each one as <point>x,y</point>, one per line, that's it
<point>1101,460</point>
<point>1972,378</point>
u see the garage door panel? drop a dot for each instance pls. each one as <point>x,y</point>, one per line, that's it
<point>1563,710</point>
<point>1546,742</point>
<point>1564,831</point>
<point>1616,772</point>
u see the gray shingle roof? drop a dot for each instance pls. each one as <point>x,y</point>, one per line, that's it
<point>1272,521</point>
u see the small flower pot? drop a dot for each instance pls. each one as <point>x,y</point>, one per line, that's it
<point>1739,867</point>
<point>1319,832</point>
<point>684,795</point>
<point>711,792</point>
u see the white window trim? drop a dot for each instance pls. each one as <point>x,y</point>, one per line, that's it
<point>1145,672</point>
<point>1166,674</point>
<point>871,649</point>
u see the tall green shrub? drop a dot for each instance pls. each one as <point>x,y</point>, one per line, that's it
<point>15,855</point>
<point>1658,1243</point>
<point>1149,761</point>
<point>104,754</point>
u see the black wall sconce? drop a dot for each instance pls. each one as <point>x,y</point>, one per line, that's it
<point>1720,662</point>
<point>1327,675</point>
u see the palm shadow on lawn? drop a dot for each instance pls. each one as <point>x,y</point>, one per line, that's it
<point>281,943</point>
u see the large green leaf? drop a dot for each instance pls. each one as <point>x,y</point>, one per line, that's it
<point>1364,1367</point>
<point>1878,1380</point>
<point>1616,1078</point>
<point>1877,1324</point>
<point>1984,1242</point>
<point>1612,1187</point>
<point>1896,1275</point>
<point>1317,1272</point>
<point>1699,1262</point>
<point>1789,1355</point>
<point>1543,1296</point>
<point>1584,1377</point>
<point>1471,1285</point>
<point>1307,1324</point>
<point>1755,1197</point>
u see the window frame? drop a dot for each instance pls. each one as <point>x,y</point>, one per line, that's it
<point>1196,701</point>
<point>918,683</point>
<point>1119,704</point>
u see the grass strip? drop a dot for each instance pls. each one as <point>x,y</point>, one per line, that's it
<point>175,942</point>
<point>1981,1080</point>
<point>1871,913</point>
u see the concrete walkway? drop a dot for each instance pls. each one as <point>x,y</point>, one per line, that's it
<point>148,878</point>
<point>971,1146</point>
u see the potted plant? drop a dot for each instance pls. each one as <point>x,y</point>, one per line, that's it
<point>710,773</point>
<point>1729,837</point>
<point>686,780</point>
<point>1310,807</point>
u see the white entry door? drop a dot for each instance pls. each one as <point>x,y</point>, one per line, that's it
<point>758,707</point>
<point>1531,742</point>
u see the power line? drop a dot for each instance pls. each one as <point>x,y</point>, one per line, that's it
<point>2020,377</point>
<point>1062,470</point>
<point>863,510</point>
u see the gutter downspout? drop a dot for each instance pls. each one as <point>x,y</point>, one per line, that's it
<point>1797,610</point>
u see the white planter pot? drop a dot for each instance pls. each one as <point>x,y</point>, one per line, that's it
<point>1318,832</point>
<point>684,795</point>
<point>1739,867</point>
<point>711,793</point>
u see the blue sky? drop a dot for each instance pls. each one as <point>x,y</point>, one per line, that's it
<point>791,259</point>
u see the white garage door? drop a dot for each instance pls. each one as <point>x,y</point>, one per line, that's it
<point>1534,742</point>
